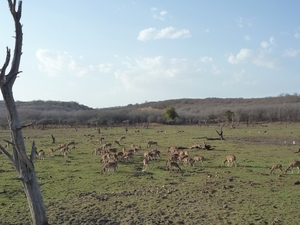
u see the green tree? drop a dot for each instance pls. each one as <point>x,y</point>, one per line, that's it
<point>228,115</point>
<point>169,114</point>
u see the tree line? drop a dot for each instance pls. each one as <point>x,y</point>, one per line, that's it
<point>283,108</point>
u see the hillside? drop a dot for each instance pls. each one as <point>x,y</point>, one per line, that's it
<point>281,108</point>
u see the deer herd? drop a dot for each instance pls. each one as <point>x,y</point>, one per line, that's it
<point>110,156</point>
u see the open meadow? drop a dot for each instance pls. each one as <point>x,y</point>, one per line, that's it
<point>76,192</point>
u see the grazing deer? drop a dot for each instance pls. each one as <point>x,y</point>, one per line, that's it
<point>104,146</point>
<point>188,160</point>
<point>276,166</point>
<point>65,154</point>
<point>136,147</point>
<point>175,166</point>
<point>151,143</point>
<point>198,158</point>
<point>110,167</point>
<point>145,163</point>
<point>112,150</point>
<point>100,140</point>
<point>173,149</point>
<point>154,154</point>
<point>105,158</point>
<point>122,138</point>
<point>128,156</point>
<point>292,165</point>
<point>231,160</point>
<point>172,158</point>
<point>51,152</point>
<point>116,143</point>
<point>97,151</point>
<point>40,154</point>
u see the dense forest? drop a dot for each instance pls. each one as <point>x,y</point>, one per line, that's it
<point>283,108</point>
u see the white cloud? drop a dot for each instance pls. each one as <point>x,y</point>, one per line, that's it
<point>206,59</point>
<point>267,44</point>
<point>163,13</point>
<point>258,57</point>
<point>297,35</point>
<point>156,72</point>
<point>102,68</point>
<point>54,64</point>
<point>243,56</point>
<point>247,37</point>
<point>159,15</point>
<point>150,63</point>
<point>240,22</point>
<point>291,52</point>
<point>168,32</point>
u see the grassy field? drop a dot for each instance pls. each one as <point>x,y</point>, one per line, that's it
<point>75,192</point>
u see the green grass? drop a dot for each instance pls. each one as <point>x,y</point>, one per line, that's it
<point>76,193</point>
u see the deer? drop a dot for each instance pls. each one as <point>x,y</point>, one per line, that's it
<point>110,167</point>
<point>104,146</point>
<point>136,147</point>
<point>173,149</point>
<point>231,160</point>
<point>116,143</point>
<point>51,152</point>
<point>40,154</point>
<point>151,143</point>
<point>100,140</point>
<point>66,154</point>
<point>122,138</point>
<point>172,158</point>
<point>174,165</point>
<point>105,158</point>
<point>153,154</point>
<point>198,158</point>
<point>292,165</point>
<point>145,163</point>
<point>97,151</point>
<point>188,160</point>
<point>128,156</point>
<point>276,166</point>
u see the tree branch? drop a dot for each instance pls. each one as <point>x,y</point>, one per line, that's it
<point>23,126</point>
<point>19,40</point>
<point>5,65</point>
<point>3,150</point>
<point>33,152</point>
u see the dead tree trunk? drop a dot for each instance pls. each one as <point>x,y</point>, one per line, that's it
<point>220,133</point>
<point>23,165</point>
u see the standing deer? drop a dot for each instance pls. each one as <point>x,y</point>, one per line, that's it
<point>276,166</point>
<point>175,166</point>
<point>292,165</point>
<point>231,160</point>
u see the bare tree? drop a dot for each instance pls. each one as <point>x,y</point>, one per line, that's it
<point>23,165</point>
<point>220,133</point>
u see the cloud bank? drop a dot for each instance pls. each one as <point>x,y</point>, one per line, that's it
<point>165,33</point>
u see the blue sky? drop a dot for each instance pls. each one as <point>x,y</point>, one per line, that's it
<point>114,53</point>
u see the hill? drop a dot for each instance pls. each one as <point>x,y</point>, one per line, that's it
<point>281,108</point>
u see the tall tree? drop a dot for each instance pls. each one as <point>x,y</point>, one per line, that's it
<point>170,113</point>
<point>23,165</point>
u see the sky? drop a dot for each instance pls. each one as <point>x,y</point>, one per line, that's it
<point>110,53</point>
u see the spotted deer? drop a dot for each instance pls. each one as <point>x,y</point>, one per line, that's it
<point>292,165</point>
<point>40,154</point>
<point>231,160</point>
<point>110,167</point>
<point>198,158</point>
<point>275,167</point>
<point>174,166</point>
